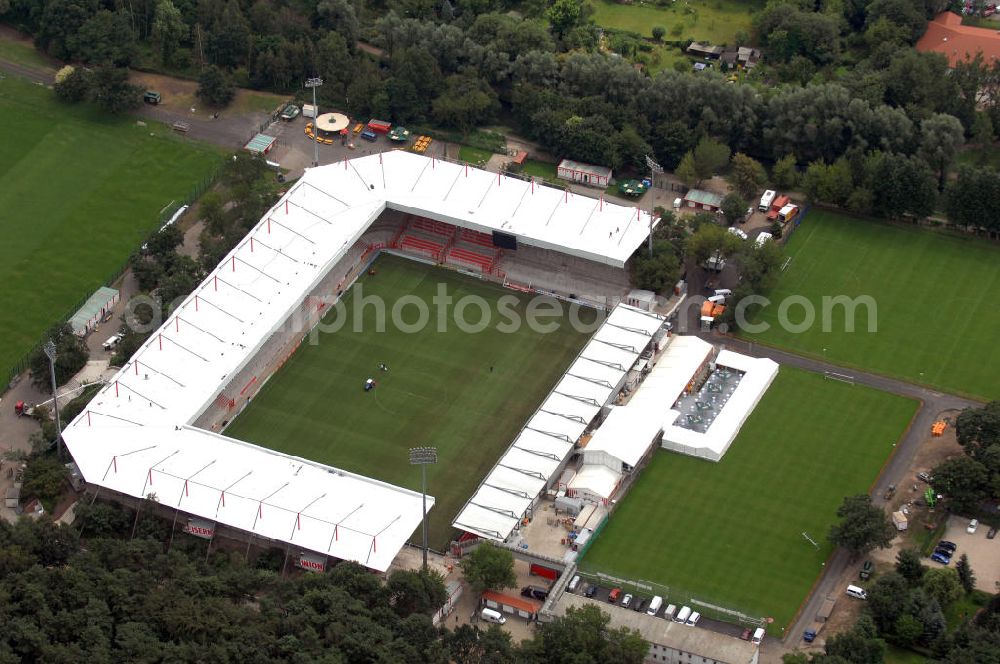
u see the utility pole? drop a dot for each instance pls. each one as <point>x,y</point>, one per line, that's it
<point>52,354</point>
<point>423,456</point>
<point>654,168</point>
<point>314,83</point>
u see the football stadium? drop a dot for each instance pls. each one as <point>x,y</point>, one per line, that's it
<point>570,415</point>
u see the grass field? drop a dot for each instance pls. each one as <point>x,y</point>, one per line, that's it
<point>716,21</point>
<point>440,390</point>
<point>80,192</point>
<point>938,300</point>
<point>731,533</point>
<point>474,156</point>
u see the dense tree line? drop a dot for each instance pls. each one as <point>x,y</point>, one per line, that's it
<point>968,481</point>
<point>840,80</point>
<point>117,588</point>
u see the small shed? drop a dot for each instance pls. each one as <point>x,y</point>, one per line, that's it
<point>641,299</point>
<point>705,50</point>
<point>260,144</point>
<point>700,199</point>
<point>12,497</point>
<point>589,174</point>
<point>97,307</point>
<point>517,606</point>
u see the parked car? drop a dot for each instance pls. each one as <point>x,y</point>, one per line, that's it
<point>940,557</point>
<point>866,570</point>
<point>945,544</point>
<point>591,591</point>
<point>991,533</point>
<point>152,97</point>
<point>746,634</point>
<point>534,592</point>
<point>943,552</point>
<point>369,135</point>
<point>640,603</point>
<point>972,526</point>
<point>614,595</point>
<point>924,477</point>
<point>627,600</point>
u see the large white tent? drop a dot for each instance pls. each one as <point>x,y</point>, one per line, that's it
<point>136,435</point>
<point>541,449</point>
<point>624,438</point>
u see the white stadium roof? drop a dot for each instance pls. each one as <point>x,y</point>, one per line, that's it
<point>548,437</point>
<point>136,437</point>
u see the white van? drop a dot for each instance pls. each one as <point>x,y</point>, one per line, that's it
<point>725,292</point>
<point>112,341</point>
<point>684,614</point>
<point>654,605</point>
<point>737,232</point>
<point>766,200</point>
<point>693,619</point>
<point>857,592</point>
<point>762,238</point>
<point>574,583</point>
<point>758,636</point>
<point>717,299</point>
<point>489,615</point>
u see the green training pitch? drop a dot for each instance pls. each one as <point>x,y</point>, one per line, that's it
<point>468,394</point>
<point>937,295</point>
<point>80,193</point>
<point>731,533</point>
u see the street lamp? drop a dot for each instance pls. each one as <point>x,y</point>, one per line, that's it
<point>654,168</point>
<point>50,352</point>
<point>314,83</point>
<point>423,456</point>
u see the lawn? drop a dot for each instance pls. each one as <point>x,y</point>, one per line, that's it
<point>731,533</point>
<point>716,21</point>
<point>543,170</point>
<point>80,192</point>
<point>22,52</point>
<point>937,296</point>
<point>467,394</point>
<point>474,156</point>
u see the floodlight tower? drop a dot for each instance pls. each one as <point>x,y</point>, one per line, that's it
<point>314,83</point>
<point>654,168</point>
<point>423,456</point>
<point>50,352</point>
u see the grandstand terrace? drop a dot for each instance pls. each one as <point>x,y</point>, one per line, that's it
<point>142,435</point>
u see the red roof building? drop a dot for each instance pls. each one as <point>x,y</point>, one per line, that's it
<point>946,35</point>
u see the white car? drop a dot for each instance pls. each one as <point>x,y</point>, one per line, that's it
<point>112,341</point>
<point>972,526</point>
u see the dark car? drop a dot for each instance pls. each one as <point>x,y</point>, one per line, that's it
<point>941,557</point>
<point>640,603</point>
<point>591,591</point>
<point>369,135</point>
<point>991,533</point>
<point>948,546</point>
<point>866,570</point>
<point>746,634</point>
<point>534,592</point>
<point>924,477</point>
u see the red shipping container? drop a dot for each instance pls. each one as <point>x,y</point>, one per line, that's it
<point>545,572</point>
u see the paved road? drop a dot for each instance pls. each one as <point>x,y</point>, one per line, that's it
<point>932,404</point>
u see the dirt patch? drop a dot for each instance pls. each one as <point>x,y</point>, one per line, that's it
<point>179,96</point>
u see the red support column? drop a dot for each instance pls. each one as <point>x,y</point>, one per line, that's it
<point>216,282</point>
<point>116,388</point>
<point>251,245</point>
<point>196,303</point>
<point>186,494</point>
<point>223,498</point>
<point>177,324</point>
<point>234,263</point>
<point>286,206</point>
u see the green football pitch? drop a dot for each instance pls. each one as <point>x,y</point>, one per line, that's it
<point>468,394</point>
<point>937,296</point>
<point>80,192</point>
<point>733,533</point>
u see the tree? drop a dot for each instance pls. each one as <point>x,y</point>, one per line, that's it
<point>106,38</point>
<point>169,30</point>
<point>899,12</point>
<point>940,137</point>
<point>489,567</point>
<point>72,354</point>
<point>942,583</point>
<point>583,635</point>
<point>467,101</point>
<point>72,84</point>
<point>862,527</point>
<point>747,175</point>
<point>416,592</point>
<point>965,574</point>
<point>982,129</point>
<point>856,646</point>
<point>709,239</point>
<point>214,87</point>
<point>659,272</point>
<point>887,598</point>
<point>564,15</point>
<point>972,200</point>
<point>710,156</point>
<point>760,265</point>
<point>785,174</point>
<point>658,31</point>
<point>909,566</point>
<point>734,206</point>
<point>978,428</point>
<point>45,479</point>
<point>111,90</point>
<point>470,645</point>
<point>963,482</point>
<point>686,171</point>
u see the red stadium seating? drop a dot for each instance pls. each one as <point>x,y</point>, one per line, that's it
<point>475,237</point>
<point>486,263</point>
<point>411,242</point>
<point>431,226</point>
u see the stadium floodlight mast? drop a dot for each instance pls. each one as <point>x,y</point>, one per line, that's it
<point>314,83</point>
<point>423,456</point>
<point>654,168</point>
<point>50,352</point>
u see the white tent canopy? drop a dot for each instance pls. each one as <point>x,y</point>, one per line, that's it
<point>595,483</point>
<point>625,436</point>
<point>541,448</point>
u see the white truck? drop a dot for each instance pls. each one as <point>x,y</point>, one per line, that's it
<point>766,200</point>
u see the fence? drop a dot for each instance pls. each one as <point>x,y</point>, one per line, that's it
<point>21,365</point>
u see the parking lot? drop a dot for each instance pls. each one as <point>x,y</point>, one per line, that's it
<point>984,554</point>
<point>602,592</point>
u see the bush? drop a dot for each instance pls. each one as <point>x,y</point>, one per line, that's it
<point>45,479</point>
<point>71,355</point>
<point>214,87</point>
<point>72,84</point>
